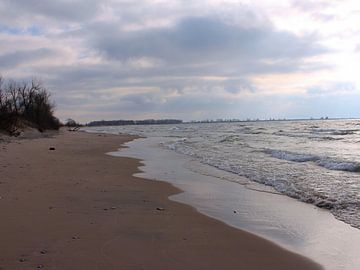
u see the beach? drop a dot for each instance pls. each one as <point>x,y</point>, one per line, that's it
<point>75,207</point>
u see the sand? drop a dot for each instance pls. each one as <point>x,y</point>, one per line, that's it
<point>77,208</point>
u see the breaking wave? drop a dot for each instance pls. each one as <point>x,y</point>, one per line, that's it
<point>326,162</point>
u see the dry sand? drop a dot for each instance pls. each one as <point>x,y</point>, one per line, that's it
<point>77,208</point>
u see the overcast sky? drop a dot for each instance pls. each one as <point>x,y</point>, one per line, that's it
<point>193,60</point>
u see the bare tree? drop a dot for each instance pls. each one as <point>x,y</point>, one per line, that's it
<point>26,102</point>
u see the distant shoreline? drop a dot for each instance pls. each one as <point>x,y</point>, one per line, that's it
<point>177,122</point>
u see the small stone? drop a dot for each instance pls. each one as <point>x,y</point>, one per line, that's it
<point>235,212</point>
<point>105,209</point>
<point>113,208</point>
<point>22,260</point>
<point>43,251</point>
<point>52,148</point>
<point>40,266</point>
<point>160,208</point>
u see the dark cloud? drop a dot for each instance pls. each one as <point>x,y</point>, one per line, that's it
<point>203,39</point>
<point>142,102</point>
<point>13,59</point>
<point>60,10</point>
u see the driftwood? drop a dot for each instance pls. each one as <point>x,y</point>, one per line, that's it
<point>73,128</point>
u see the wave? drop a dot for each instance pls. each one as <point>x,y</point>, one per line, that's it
<point>344,132</point>
<point>291,135</point>
<point>230,139</point>
<point>286,155</point>
<point>326,138</point>
<point>341,132</point>
<point>326,162</point>
<point>317,135</point>
<point>339,165</point>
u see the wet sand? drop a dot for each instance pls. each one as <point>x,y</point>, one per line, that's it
<point>77,208</point>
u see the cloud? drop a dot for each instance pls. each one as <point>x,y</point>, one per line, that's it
<point>203,41</point>
<point>201,59</point>
<point>185,56</point>
<point>68,11</point>
<point>311,5</point>
<point>332,88</point>
<point>357,48</point>
<point>236,86</point>
<point>25,57</point>
<point>318,10</point>
<point>191,57</point>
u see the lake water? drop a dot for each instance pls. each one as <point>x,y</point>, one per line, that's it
<point>317,161</point>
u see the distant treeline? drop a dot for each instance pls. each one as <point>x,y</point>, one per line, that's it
<point>134,122</point>
<point>25,104</point>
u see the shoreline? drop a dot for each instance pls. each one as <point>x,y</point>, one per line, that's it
<point>78,208</point>
<point>239,202</point>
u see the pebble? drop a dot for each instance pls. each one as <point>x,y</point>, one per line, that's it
<point>160,208</point>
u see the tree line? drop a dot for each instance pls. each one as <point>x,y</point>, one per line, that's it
<point>26,104</point>
<point>133,122</point>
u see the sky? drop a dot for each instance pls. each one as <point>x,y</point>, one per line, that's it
<point>190,60</point>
